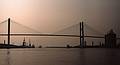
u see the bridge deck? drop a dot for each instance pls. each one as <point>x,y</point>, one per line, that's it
<point>64,35</point>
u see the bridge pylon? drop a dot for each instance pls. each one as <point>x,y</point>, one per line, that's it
<point>8,31</point>
<point>82,35</point>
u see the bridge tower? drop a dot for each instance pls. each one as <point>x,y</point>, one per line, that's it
<point>8,31</point>
<point>82,35</point>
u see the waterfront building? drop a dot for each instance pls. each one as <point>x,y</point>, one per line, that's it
<point>110,39</point>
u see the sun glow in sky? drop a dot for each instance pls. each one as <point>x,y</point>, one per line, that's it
<point>14,9</point>
<point>57,14</point>
<point>47,13</point>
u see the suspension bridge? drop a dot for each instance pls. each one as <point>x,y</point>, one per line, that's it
<point>81,35</point>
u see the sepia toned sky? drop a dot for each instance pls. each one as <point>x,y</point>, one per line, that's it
<point>49,16</point>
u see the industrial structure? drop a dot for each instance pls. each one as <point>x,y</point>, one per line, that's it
<point>110,39</point>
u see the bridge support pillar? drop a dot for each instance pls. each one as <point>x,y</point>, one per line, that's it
<point>8,31</point>
<point>82,35</point>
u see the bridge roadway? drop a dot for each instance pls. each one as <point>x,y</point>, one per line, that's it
<point>62,35</point>
<point>37,34</point>
<point>31,34</point>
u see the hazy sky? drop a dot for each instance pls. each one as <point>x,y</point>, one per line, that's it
<point>53,15</point>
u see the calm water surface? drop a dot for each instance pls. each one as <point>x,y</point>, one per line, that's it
<point>60,56</point>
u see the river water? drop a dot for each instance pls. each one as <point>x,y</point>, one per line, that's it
<point>60,56</point>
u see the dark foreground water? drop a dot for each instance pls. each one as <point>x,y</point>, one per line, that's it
<point>60,56</point>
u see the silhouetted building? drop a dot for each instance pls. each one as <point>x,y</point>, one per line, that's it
<point>33,46</point>
<point>100,44</point>
<point>30,45</point>
<point>24,42</point>
<point>92,43</point>
<point>40,46</point>
<point>110,39</point>
<point>4,41</point>
<point>69,46</point>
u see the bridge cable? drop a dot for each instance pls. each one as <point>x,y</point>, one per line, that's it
<point>25,26</point>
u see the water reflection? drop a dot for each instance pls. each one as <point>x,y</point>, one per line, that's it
<point>82,57</point>
<point>8,57</point>
<point>63,56</point>
<point>112,57</point>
